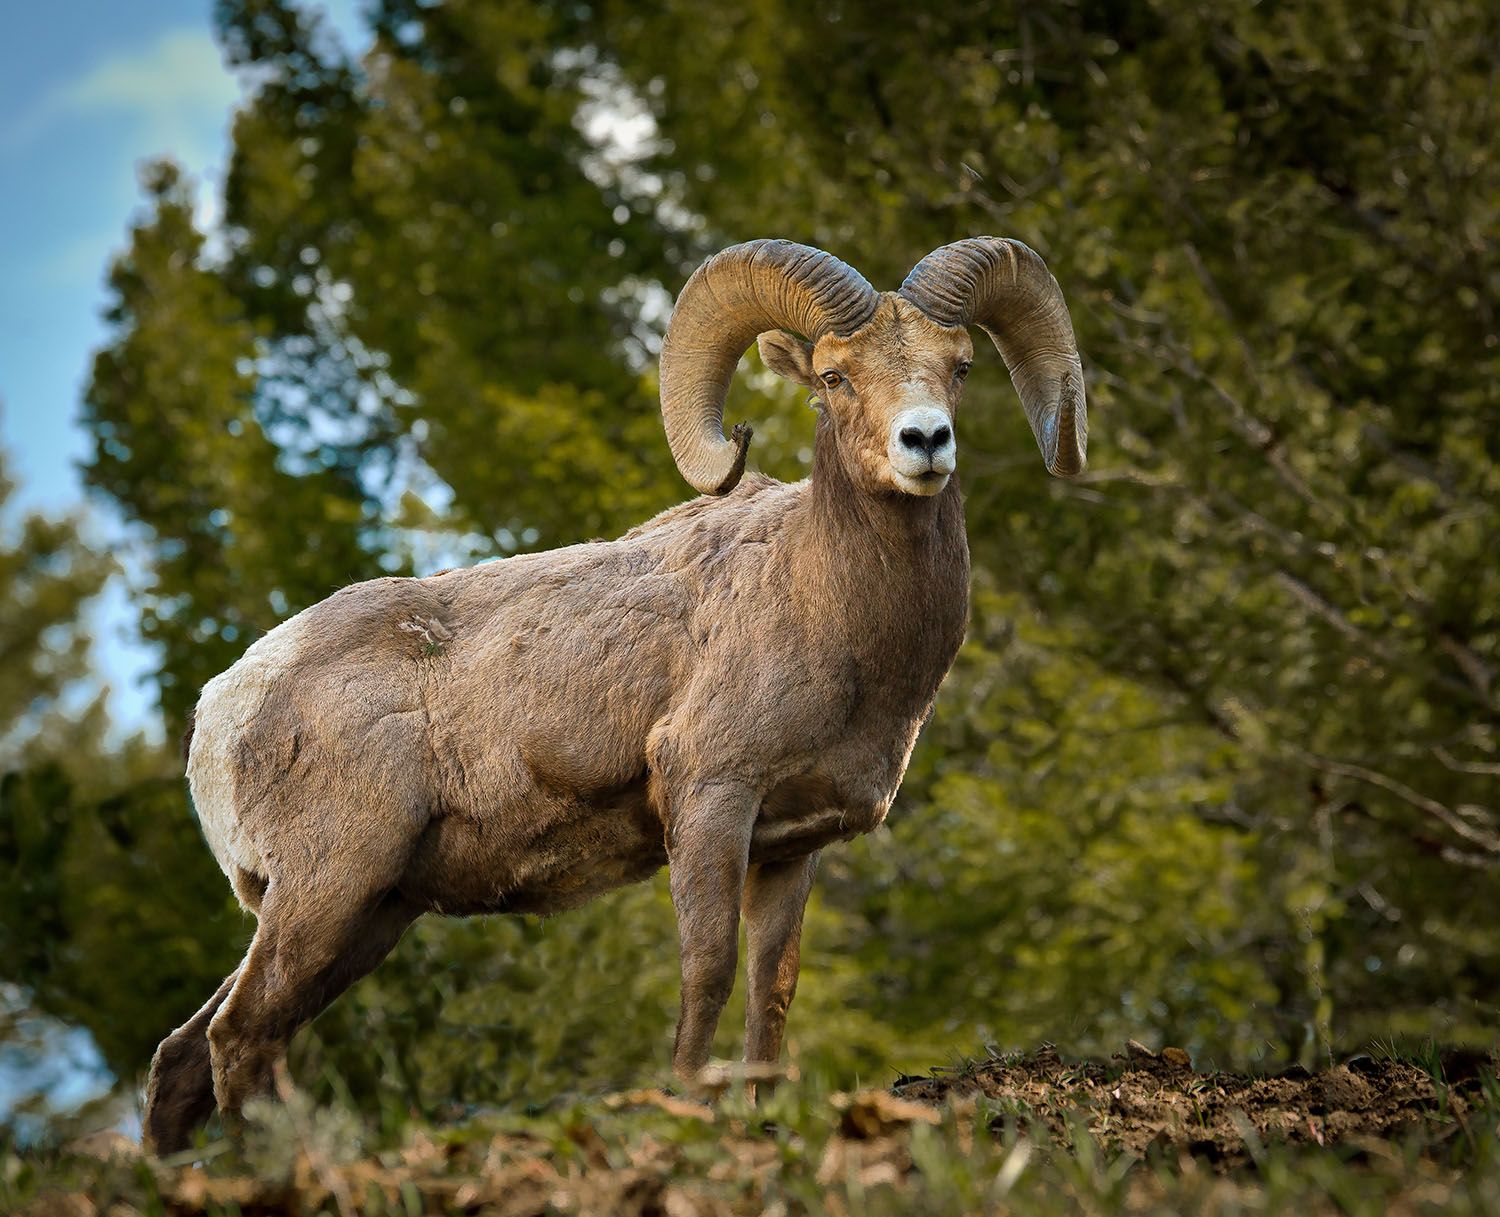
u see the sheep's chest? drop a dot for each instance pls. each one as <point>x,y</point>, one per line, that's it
<point>847,760</point>
<point>845,792</point>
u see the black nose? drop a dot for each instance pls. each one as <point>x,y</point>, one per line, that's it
<point>920,441</point>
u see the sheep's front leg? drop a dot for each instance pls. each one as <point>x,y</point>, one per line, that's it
<point>775,896</point>
<point>708,848</point>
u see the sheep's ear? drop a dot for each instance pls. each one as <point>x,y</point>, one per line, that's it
<point>788,356</point>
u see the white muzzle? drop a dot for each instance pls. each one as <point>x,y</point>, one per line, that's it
<point>922,449</point>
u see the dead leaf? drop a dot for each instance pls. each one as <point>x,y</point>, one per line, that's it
<point>874,1113</point>
<point>61,1204</point>
<point>106,1145</point>
<point>587,1138</point>
<point>683,1108</point>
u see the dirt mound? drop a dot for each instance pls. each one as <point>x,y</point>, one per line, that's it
<point>1143,1099</point>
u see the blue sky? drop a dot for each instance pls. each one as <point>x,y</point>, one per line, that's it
<point>88,90</point>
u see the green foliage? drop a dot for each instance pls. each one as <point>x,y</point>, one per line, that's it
<point>1144,910</point>
<point>235,534</point>
<point>112,917</point>
<point>47,575</point>
<point>437,197</point>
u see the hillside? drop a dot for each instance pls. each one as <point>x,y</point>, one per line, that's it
<point>1034,1134</point>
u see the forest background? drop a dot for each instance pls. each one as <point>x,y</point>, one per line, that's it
<point>1217,765</point>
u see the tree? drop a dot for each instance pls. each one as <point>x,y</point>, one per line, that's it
<point>235,530</point>
<point>443,198</point>
<point>47,576</point>
<point>112,911</point>
<point>100,916</point>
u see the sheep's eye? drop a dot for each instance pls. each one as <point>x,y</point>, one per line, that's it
<point>831,378</point>
<point>963,369</point>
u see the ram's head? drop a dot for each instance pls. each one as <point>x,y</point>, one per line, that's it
<point>889,367</point>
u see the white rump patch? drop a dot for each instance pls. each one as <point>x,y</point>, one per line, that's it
<point>228,704</point>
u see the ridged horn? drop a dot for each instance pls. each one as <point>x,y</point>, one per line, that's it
<point>1004,287</point>
<point>728,302</point>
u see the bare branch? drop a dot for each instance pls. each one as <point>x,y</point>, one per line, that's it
<point>1475,669</point>
<point>1482,768</point>
<point>1460,825</point>
<point>1310,599</point>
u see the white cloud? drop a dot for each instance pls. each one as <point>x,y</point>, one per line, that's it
<point>171,90</point>
<point>169,97</point>
<point>176,93</point>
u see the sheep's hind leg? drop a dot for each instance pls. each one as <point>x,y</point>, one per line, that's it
<point>775,896</point>
<point>180,1089</point>
<point>311,945</point>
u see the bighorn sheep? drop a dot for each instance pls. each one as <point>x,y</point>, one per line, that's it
<point>727,688</point>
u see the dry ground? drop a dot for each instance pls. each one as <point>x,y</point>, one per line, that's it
<point>1024,1134</point>
<point>1143,1101</point>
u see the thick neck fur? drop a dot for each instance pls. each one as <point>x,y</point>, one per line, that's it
<point>887,573</point>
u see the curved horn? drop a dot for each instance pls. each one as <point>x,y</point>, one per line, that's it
<point>1004,287</point>
<point>731,299</point>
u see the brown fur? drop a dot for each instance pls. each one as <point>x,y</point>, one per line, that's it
<point>730,687</point>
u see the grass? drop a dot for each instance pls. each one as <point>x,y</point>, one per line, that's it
<point>803,1149</point>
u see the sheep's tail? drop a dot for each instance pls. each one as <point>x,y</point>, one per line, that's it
<point>187,736</point>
